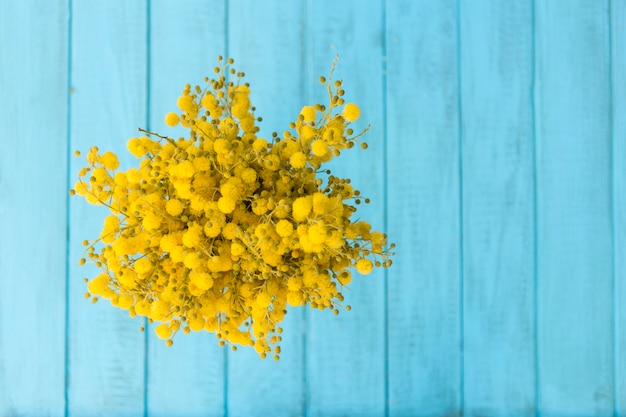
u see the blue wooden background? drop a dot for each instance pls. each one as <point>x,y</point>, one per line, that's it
<point>497,164</point>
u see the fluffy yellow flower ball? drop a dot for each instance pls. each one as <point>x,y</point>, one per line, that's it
<point>364,266</point>
<point>308,113</point>
<point>171,119</point>
<point>351,112</point>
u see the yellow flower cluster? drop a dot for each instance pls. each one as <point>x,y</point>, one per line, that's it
<point>222,230</point>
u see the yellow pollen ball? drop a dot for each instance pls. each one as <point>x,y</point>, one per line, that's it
<point>111,224</point>
<point>263,299</point>
<point>202,280</point>
<point>308,113</point>
<point>151,221</point>
<point>259,145</point>
<point>192,260</point>
<point>210,103</point>
<point>191,238</point>
<point>163,331</point>
<point>295,298</point>
<point>167,243</point>
<point>237,249</point>
<point>173,207</point>
<point>298,160</point>
<point>110,161</point>
<point>186,169</point>
<point>272,162</point>
<point>186,104</point>
<point>126,301</point>
<point>248,175</point>
<point>319,148</point>
<point>134,146</point>
<point>230,231</point>
<point>301,208</point>
<point>142,266</point>
<point>202,164</point>
<point>320,203</point>
<point>364,266</point>
<point>221,146</point>
<point>120,179</point>
<point>228,127</point>
<point>351,112</point>
<point>197,324</point>
<point>317,233</point>
<point>226,205</point>
<point>99,284</point>
<point>284,228</point>
<point>171,119</point>
<point>212,229</point>
<point>307,133</point>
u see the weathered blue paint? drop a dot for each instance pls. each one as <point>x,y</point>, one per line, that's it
<point>424,189</point>
<point>498,207</point>
<point>617,17</point>
<point>574,213</point>
<point>108,101</point>
<point>496,163</point>
<point>33,206</point>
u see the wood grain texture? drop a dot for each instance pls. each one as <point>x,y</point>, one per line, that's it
<point>107,351</point>
<point>33,211</point>
<point>185,39</point>
<point>266,41</point>
<point>618,80</point>
<point>423,209</point>
<point>346,353</point>
<point>574,209</point>
<point>498,207</point>
<point>486,116</point>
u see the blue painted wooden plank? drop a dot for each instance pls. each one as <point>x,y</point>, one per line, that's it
<point>575,266</point>
<point>423,209</point>
<point>618,79</point>
<point>107,351</point>
<point>265,39</point>
<point>346,353</point>
<point>185,39</point>
<point>33,206</point>
<point>498,207</point>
